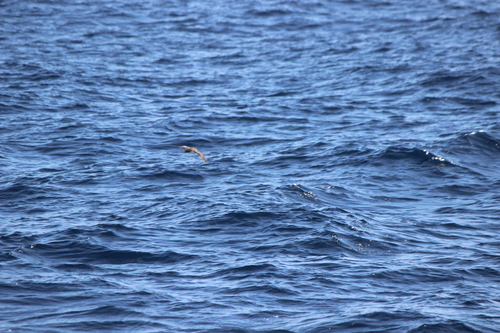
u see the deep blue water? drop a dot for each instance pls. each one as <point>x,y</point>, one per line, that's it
<point>352,182</point>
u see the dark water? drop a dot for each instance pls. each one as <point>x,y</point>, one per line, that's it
<point>353,181</point>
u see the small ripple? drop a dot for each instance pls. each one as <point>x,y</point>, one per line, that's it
<point>172,175</point>
<point>96,254</point>
<point>452,326</point>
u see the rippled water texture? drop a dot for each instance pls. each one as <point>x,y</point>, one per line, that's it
<point>352,182</point>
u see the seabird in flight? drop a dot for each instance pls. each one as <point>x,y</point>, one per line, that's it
<point>194,150</point>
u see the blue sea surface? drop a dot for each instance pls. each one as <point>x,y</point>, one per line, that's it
<point>352,182</point>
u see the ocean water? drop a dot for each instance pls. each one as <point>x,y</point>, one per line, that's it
<point>352,182</point>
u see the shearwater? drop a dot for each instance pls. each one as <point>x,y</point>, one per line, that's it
<point>194,150</point>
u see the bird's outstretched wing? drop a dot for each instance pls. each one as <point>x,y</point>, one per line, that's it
<point>201,155</point>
